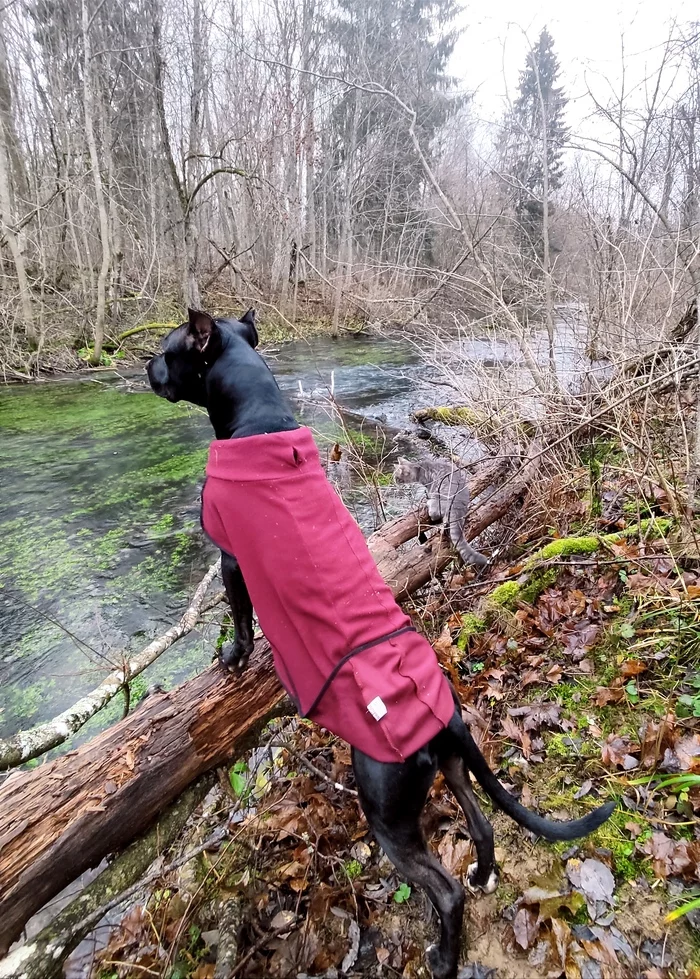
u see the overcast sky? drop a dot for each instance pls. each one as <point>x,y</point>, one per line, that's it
<point>587,36</point>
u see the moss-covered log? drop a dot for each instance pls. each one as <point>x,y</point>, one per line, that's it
<point>452,415</point>
<point>537,573</point>
<point>64,817</point>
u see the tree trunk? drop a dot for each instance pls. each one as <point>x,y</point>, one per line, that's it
<point>13,243</point>
<point>88,109</point>
<point>343,270</point>
<point>64,817</point>
<point>60,819</point>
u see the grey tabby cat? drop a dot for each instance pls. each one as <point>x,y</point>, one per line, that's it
<point>448,498</point>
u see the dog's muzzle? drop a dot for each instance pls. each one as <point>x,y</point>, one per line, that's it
<point>157,371</point>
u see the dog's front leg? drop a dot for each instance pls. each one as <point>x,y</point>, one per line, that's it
<point>236,654</point>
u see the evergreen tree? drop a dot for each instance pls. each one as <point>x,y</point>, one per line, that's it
<point>403,46</point>
<point>533,139</point>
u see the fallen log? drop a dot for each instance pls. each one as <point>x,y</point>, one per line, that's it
<point>64,817</point>
<point>42,956</point>
<point>407,571</point>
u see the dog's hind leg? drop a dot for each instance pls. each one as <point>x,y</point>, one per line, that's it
<point>392,797</point>
<point>482,875</point>
<point>237,653</point>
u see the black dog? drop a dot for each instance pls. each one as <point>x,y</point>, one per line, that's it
<point>213,363</point>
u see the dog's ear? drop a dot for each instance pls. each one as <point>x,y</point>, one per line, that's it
<point>200,326</point>
<point>250,333</point>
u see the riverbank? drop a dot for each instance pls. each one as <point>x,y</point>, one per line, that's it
<point>142,322</point>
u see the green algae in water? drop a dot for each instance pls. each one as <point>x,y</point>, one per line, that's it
<point>88,474</point>
<point>100,544</point>
<point>107,464</point>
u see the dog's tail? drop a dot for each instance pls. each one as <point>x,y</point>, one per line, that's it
<point>477,764</point>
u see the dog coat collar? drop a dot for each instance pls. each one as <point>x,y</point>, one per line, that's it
<point>342,647</point>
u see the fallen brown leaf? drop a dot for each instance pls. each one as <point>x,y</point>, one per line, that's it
<point>617,753</point>
<point>530,676</point>
<point>525,928</point>
<point>536,716</point>
<point>608,695</point>
<point>672,857</point>
<point>455,854</point>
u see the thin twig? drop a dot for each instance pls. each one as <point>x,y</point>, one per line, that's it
<point>312,768</point>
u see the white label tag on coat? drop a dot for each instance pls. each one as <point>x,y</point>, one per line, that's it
<point>377,708</point>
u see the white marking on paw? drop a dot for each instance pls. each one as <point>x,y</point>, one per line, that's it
<point>476,889</point>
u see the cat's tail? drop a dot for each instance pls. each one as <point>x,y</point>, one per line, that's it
<point>456,528</point>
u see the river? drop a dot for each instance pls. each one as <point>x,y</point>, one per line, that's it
<point>100,544</point>
<point>99,526</point>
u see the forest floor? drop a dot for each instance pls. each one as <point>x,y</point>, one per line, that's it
<point>577,659</point>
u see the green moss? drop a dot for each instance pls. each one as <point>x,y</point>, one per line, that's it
<point>566,546</point>
<point>563,548</point>
<point>40,563</point>
<point>504,596</point>
<point>353,868</point>
<point>575,696</point>
<point>506,894</point>
<point>612,835</point>
<point>560,745</point>
<point>452,415</point>
<point>638,507</point>
<point>651,527</point>
<point>628,864</point>
<point>538,583</point>
<point>581,917</point>
<point>472,625</point>
<point>507,595</point>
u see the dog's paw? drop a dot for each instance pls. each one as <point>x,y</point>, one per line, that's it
<point>235,655</point>
<point>477,889</point>
<point>438,967</point>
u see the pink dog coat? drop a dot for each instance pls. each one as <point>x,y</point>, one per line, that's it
<point>342,647</point>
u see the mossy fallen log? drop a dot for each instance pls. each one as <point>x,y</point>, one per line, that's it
<point>42,956</point>
<point>62,818</point>
<point>535,576</point>
<point>456,415</point>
